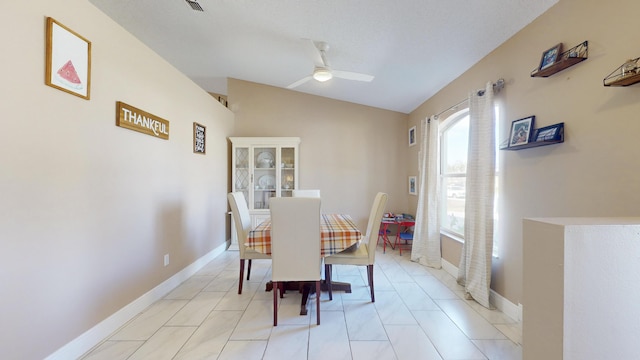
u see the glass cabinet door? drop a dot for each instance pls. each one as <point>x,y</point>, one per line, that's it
<point>264,176</point>
<point>242,172</point>
<point>287,171</point>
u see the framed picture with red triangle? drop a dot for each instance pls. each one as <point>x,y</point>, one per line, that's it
<point>68,60</point>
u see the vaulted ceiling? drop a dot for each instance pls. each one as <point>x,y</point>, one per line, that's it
<point>412,48</point>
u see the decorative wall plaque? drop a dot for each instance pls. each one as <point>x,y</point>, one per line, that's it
<point>199,138</point>
<point>135,119</point>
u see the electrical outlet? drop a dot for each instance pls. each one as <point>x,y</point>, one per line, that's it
<point>166,259</point>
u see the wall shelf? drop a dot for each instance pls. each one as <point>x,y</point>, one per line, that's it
<point>541,137</point>
<point>625,75</point>
<point>566,59</point>
<point>532,145</point>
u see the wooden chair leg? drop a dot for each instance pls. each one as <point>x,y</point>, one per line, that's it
<point>241,276</point>
<point>370,275</point>
<point>327,275</point>
<point>275,303</point>
<point>281,289</point>
<point>318,300</point>
<point>249,270</point>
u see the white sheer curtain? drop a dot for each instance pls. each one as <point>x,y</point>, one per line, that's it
<point>426,236</point>
<point>474,272</point>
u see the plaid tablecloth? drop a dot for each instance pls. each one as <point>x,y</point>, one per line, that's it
<point>337,233</point>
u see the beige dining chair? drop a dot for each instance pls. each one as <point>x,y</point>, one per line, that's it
<point>242,220</point>
<point>306,193</point>
<point>295,245</point>
<point>365,254</point>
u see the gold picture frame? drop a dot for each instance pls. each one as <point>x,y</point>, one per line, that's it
<point>68,60</point>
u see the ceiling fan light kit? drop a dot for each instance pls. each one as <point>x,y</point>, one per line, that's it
<point>322,71</point>
<point>322,74</point>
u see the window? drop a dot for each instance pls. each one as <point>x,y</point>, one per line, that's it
<point>454,140</point>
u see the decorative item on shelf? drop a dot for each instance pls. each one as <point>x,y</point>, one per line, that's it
<point>548,135</point>
<point>521,131</point>
<point>265,160</point>
<point>629,68</point>
<point>626,74</point>
<point>267,182</point>
<point>550,56</point>
<point>553,60</point>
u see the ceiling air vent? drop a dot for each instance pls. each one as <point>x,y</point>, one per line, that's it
<point>194,5</point>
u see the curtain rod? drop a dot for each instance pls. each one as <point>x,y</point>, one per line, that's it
<point>497,86</point>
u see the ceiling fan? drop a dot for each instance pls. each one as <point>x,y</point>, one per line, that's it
<point>323,72</point>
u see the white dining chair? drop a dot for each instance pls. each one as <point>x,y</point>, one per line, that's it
<point>306,193</point>
<point>365,254</point>
<point>295,245</point>
<point>242,220</point>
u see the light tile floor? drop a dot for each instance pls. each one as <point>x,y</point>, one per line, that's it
<point>419,313</point>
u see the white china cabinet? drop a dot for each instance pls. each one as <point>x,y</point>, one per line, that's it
<point>262,168</point>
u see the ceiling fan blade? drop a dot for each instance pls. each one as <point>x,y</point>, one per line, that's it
<point>352,75</point>
<point>299,82</point>
<point>313,51</point>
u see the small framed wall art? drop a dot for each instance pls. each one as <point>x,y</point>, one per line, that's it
<point>412,136</point>
<point>550,56</point>
<point>412,185</point>
<point>521,131</point>
<point>68,60</point>
<point>549,133</point>
<point>199,138</point>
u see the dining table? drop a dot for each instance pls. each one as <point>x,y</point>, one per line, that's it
<point>338,233</point>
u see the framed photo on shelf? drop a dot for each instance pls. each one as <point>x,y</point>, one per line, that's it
<point>68,60</point>
<point>199,139</point>
<point>550,57</point>
<point>521,131</point>
<point>413,185</point>
<point>549,133</point>
<point>412,136</point>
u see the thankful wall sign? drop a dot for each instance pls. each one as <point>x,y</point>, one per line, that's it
<point>132,118</point>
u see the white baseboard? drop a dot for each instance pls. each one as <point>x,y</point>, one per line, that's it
<point>450,268</point>
<point>501,303</point>
<point>92,337</point>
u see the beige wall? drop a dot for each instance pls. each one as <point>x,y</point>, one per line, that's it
<point>594,172</point>
<point>350,152</point>
<point>88,209</point>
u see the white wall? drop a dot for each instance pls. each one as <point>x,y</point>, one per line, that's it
<point>88,209</point>
<point>581,295</point>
